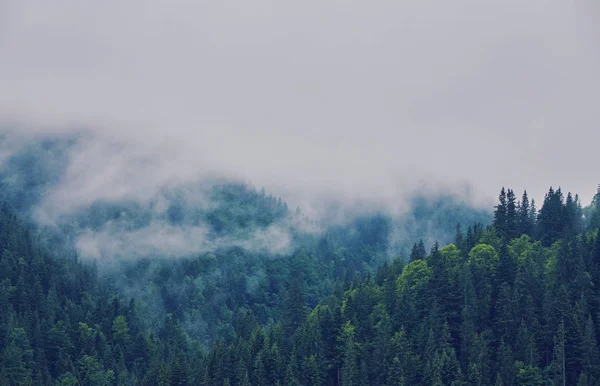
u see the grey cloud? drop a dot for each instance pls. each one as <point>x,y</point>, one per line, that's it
<point>158,239</point>
<point>168,241</point>
<point>114,197</point>
<point>360,100</point>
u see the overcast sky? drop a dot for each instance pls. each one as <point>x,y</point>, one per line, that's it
<point>355,98</point>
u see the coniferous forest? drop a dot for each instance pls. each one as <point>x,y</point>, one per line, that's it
<point>515,302</point>
<point>299,193</point>
<point>217,283</point>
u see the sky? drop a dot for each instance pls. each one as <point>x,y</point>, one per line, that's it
<point>312,99</point>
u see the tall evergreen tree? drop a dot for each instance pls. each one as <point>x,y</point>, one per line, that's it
<point>418,251</point>
<point>459,238</point>
<point>551,219</point>
<point>559,362</point>
<point>573,214</point>
<point>594,222</point>
<point>589,350</point>
<point>533,217</point>
<point>350,373</point>
<point>524,221</point>
<point>294,308</point>
<point>500,215</point>
<point>511,215</point>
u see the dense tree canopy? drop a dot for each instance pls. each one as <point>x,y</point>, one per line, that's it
<point>512,303</point>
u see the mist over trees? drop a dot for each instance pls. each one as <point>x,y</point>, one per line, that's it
<point>514,303</point>
<point>278,193</point>
<point>199,256</point>
<point>220,283</point>
<point>485,309</point>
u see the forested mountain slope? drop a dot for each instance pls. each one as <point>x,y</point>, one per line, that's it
<point>488,309</point>
<point>205,251</point>
<point>512,304</point>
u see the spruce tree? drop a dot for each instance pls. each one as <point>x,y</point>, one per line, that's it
<point>558,366</point>
<point>500,215</point>
<point>459,238</point>
<point>418,251</point>
<point>589,351</point>
<point>350,374</point>
<point>594,222</point>
<point>533,218</point>
<point>524,224</point>
<point>294,308</point>
<point>551,219</point>
<point>511,215</point>
<point>505,363</point>
<point>573,214</point>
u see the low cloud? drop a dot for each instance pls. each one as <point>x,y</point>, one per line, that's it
<point>158,239</point>
<point>164,240</point>
<point>372,104</point>
<point>371,100</point>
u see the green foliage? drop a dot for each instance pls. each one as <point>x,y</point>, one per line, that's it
<point>483,257</point>
<point>493,308</point>
<point>91,372</point>
<point>120,329</point>
<point>528,375</point>
<point>512,291</point>
<point>414,277</point>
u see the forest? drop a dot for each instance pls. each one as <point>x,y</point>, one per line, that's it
<point>508,299</point>
<point>299,193</point>
<point>515,303</point>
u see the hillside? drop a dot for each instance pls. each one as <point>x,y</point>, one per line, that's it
<point>487,309</point>
<point>512,304</point>
<point>205,251</point>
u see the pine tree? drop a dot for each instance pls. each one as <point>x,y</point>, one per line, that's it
<point>16,356</point>
<point>294,308</point>
<point>470,240</point>
<point>573,214</point>
<point>594,222</point>
<point>291,374</point>
<point>533,218</point>
<point>524,223</point>
<point>314,372</point>
<point>500,215</point>
<point>382,346</point>
<point>505,362</point>
<point>450,367</point>
<point>260,372</point>
<point>579,226</point>
<point>558,365</point>
<point>459,238</point>
<point>525,346</point>
<point>241,373</point>
<point>511,216</point>
<point>418,251</point>
<point>350,375</point>
<point>404,364</point>
<point>528,375</point>
<point>506,269</point>
<point>589,351</point>
<point>551,219</point>
<point>505,318</point>
<point>179,371</point>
